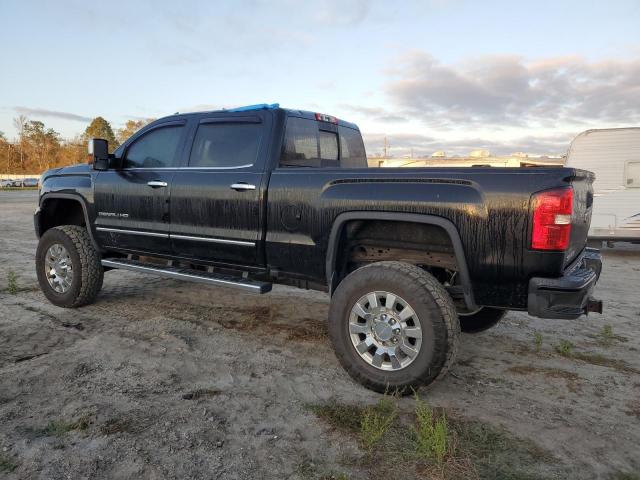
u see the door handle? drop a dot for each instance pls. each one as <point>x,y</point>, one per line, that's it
<point>156,184</point>
<point>242,186</point>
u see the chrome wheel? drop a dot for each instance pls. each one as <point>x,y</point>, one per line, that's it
<point>385,330</point>
<point>58,268</point>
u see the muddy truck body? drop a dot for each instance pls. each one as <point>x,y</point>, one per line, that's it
<point>249,197</point>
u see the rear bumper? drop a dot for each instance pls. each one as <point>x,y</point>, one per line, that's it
<point>568,296</point>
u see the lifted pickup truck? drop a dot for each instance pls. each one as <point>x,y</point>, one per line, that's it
<point>259,195</point>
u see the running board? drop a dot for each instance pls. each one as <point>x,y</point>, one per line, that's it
<point>190,275</point>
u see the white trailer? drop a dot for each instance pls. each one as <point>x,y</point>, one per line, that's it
<point>613,154</point>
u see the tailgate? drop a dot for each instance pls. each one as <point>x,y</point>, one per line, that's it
<point>582,183</point>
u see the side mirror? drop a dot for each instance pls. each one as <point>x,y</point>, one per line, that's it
<point>99,150</point>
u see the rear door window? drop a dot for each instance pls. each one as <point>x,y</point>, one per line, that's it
<point>226,145</point>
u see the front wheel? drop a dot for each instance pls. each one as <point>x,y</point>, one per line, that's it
<point>68,266</point>
<point>393,326</point>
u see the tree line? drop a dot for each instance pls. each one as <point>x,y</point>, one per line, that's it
<point>38,148</point>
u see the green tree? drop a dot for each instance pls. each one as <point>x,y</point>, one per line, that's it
<point>131,127</point>
<point>100,128</point>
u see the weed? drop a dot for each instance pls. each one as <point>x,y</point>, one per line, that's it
<point>431,433</point>
<point>376,420</point>
<point>565,348</point>
<point>7,465</point>
<point>12,282</point>
<point>57,428</point>
<point>607,333</point>
<point>537,341</point>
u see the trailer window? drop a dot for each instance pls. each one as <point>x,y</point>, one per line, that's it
<point>633,175</point>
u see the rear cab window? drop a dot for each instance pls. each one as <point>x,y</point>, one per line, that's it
<point>226,145</point>
<point>310,143</point>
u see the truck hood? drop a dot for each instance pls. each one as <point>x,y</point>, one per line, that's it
<point>80,168</point>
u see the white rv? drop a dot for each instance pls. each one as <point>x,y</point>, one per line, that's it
<point>613,154</point>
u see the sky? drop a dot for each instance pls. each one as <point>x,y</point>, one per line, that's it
<point>429,75</point>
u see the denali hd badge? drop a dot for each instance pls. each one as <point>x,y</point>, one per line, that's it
<point>113,214</point>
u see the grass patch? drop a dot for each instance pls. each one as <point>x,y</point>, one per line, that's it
<point>340,416</point>
<point>7,465</point>
<point>435,444</point>
<point>537,341</point>
<point>565,348</point>
<point>626,476</point>
<point>57,428</point>
<point>12,282</point>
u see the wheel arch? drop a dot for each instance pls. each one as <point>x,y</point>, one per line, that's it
<point>450,229</point>
<point>41,225</point>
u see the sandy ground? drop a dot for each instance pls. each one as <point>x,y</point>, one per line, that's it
<point>179,380</point>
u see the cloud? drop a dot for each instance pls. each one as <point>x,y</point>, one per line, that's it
<point>510,91</point>
<point>374,113</point>
<point>424,145</point>
<point>40,112</point>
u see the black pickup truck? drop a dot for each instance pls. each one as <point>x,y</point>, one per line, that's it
<point>259,195</point>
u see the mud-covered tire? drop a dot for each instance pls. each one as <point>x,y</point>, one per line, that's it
<point>434,308</point>
<point>87,269</point>
<point>482,320</point>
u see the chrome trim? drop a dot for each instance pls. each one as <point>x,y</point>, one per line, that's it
<point>213,240</point>
<point>179,275</point>
<point>188,168</point>
<point>132,232</point>
<point>242,186</point>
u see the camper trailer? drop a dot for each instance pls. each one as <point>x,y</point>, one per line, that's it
<point>613,154</point>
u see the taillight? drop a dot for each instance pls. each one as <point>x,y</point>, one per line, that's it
<point>552,219</point>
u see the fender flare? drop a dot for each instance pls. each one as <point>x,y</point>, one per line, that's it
<point>67,196</point>
<point>446,225</point>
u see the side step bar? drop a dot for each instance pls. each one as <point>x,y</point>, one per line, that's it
<point>190,275</point>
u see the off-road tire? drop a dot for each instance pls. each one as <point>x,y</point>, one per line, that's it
<point>482,320</point>
<point>88,271</point>
<point>432,304</point>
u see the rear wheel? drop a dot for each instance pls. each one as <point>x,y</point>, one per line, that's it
<point>482,320</point>
<point>68,266</point>
<point>393,326</point>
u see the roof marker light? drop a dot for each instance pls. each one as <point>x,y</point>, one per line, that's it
<point>321,117</point>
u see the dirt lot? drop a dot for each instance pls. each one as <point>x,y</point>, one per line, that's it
<point>160,379</point>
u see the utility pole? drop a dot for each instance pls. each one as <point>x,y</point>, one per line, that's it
<point>386,147</point>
